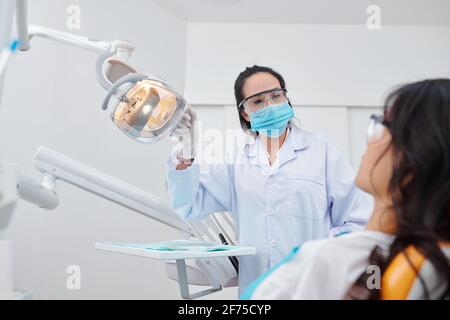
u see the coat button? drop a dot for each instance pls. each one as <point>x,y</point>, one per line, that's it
<point>270,212</point>
<point>274,244</point>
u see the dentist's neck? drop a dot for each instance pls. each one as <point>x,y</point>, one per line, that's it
<point>273,145</point>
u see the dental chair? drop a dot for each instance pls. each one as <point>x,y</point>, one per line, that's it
<point>403,278</point>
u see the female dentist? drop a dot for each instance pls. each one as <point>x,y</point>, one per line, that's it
<point>283,188</point>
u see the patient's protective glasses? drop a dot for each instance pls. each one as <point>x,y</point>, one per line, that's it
<point>376,127</point>
<point>258,101</point>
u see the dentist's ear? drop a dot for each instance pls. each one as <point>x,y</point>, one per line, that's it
<point>245,115</point>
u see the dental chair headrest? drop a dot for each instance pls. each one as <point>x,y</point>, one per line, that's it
<point>401,279</point>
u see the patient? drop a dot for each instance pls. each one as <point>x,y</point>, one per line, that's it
<point>406,169</point>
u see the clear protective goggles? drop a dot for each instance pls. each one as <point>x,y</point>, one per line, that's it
<point>144,107</point>
<point>263,99</point>
<point>377,125</point>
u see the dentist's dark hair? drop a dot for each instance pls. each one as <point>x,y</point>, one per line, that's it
<point>239,85</point>
<point>418,117</point>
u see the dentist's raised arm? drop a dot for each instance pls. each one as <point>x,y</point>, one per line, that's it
<point>195,193</point>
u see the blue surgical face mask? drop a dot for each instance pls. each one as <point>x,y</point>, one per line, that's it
<point>271,120</point>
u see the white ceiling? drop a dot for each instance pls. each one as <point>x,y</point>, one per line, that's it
<point>393,12</point>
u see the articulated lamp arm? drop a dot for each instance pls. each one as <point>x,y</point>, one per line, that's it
<point>56,166</point>
<point>114,55</point>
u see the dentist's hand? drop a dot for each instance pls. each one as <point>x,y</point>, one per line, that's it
<point>187,132</point>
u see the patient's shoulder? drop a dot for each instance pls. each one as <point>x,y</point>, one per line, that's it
<point>347,245</point>
<point>323,269</point>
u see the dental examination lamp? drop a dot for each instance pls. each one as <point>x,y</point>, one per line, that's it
<point>142,106</point>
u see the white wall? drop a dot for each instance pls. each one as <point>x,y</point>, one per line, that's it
<point>51,98</point>
<point>337,75</point>
<point>325,65</point>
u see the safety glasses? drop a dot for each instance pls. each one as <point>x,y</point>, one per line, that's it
<point>376,127</point>
<point>263,99</point>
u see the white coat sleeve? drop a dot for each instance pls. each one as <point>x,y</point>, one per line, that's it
<point>349,207</point>
<point>195,193</point>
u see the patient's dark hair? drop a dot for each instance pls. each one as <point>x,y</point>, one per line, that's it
<point>419,122</point>
<point>240,82</point>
